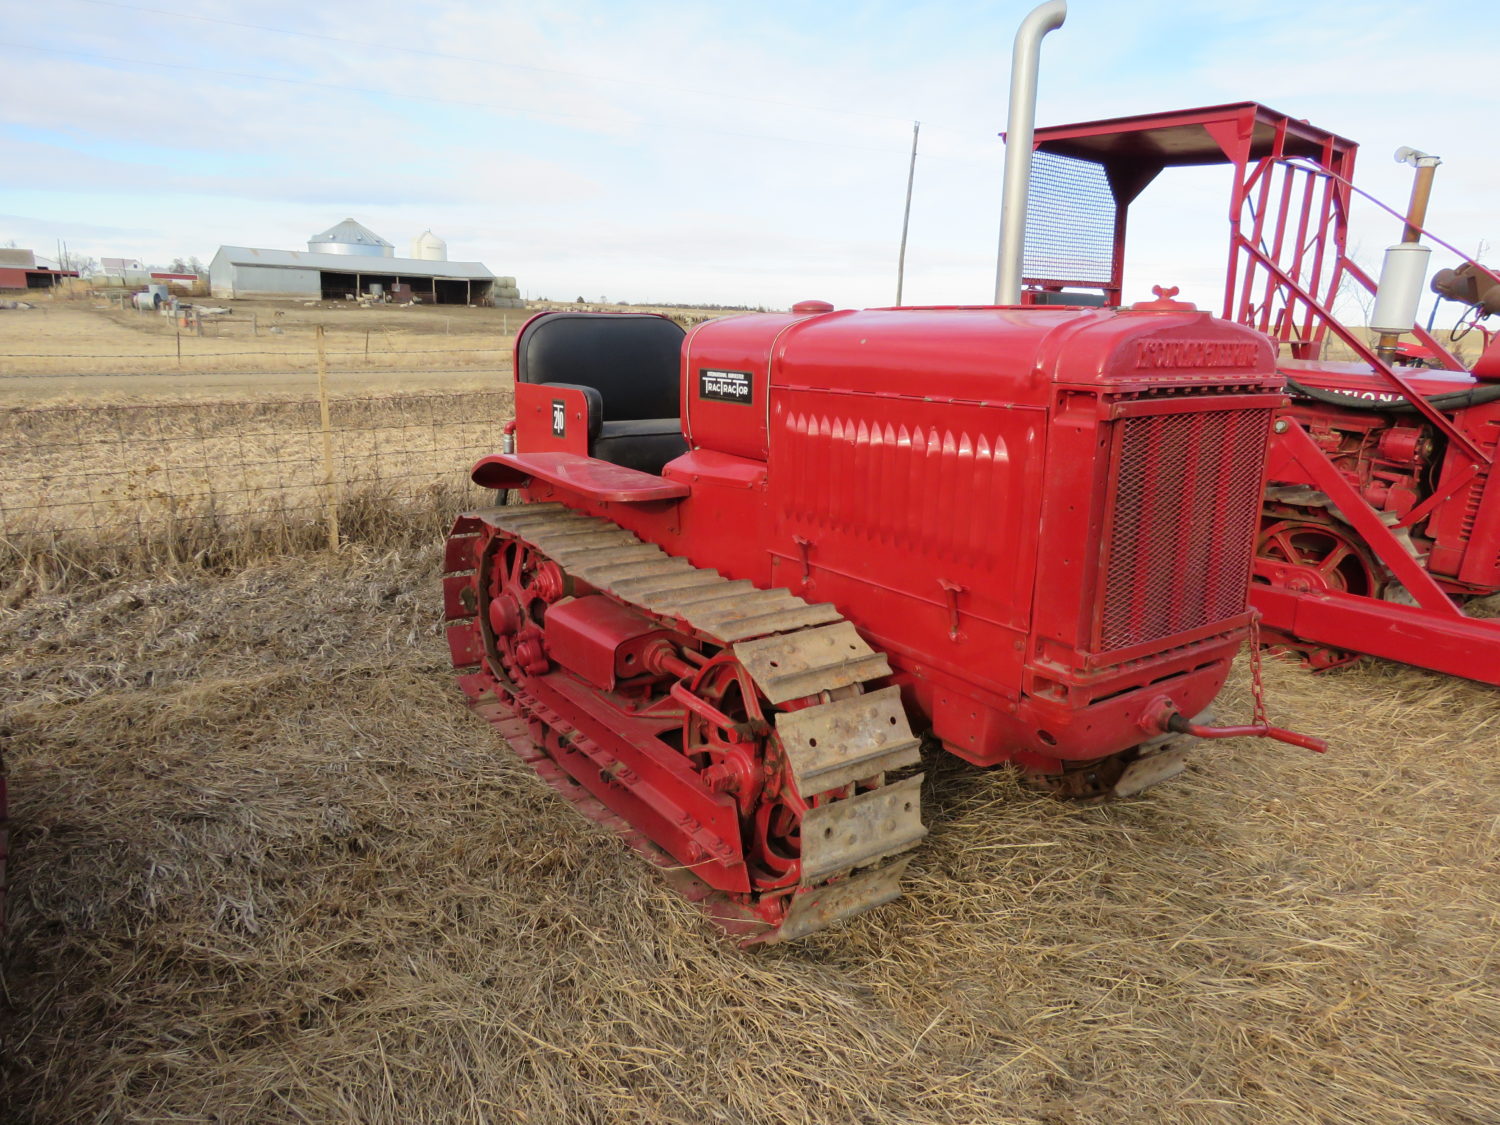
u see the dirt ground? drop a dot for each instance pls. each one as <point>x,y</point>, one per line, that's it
<point>267,869</point>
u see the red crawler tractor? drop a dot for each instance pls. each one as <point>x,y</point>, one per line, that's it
<point>1382,516</point>
<point>750,566</point>
<point>754,567</point>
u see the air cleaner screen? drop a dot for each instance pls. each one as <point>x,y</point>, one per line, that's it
<point>1070,221</point>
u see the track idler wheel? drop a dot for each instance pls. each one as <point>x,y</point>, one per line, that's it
<point>1086,781</point>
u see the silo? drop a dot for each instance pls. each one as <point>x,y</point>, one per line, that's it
<point>350,237</point>
<point>429,247</point>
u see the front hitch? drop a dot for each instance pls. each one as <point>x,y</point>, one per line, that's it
<point>1179,723</point>
<point>1161,716</point>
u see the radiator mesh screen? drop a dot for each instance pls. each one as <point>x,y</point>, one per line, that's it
<point>1183,525</point>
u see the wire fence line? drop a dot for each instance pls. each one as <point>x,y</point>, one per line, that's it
<point>181,352</point>
<point>143,482</point>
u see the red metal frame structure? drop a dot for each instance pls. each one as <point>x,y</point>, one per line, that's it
<point>1287,261</point>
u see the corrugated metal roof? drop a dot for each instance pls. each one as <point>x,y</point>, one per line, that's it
<point>343,263</point>
<point>350,232</point>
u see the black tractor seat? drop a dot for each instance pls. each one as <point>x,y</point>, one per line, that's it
<point>627,365</point>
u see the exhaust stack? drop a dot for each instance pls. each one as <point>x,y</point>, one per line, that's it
<point>1018,133</point>
<point>1405,267</point>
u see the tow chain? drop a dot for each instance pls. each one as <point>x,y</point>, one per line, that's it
<point>1257,683</point>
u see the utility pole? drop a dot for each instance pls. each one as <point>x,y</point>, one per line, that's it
<point>911,175</point>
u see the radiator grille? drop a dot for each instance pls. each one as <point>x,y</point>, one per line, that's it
<point>1183,524</point>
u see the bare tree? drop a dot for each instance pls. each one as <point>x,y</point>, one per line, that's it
<point>82,264</point>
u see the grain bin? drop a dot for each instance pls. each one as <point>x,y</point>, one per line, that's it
<point>428,247</point>
<point>350,237</point>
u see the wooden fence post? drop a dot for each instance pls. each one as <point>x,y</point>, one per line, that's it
<point>330,492</point>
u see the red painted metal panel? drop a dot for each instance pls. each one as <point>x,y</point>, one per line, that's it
<point>1481,566</point>
<point>585,634</point>
<point>458,554</point>
<point>551,418</point>
<point>1205,135</point>
<point>464,645</point>
<point>740,345</point>
<point>1455,646</point>
<point>905,492</point>
<point>584,476</point>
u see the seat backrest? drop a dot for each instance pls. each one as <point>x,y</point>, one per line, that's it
<point>632,359</point>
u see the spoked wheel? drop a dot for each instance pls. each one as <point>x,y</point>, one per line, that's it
<point>1310,554</point>
<point>519,585</point>
<point>733,740</point>
<point>733,743</point>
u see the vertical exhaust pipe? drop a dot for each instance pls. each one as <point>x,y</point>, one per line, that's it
<point>1018,134</point>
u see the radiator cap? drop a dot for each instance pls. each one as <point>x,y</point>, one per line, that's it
<point>1164,302</point>
<point>812,307</point>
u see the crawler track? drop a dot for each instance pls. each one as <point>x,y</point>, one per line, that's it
<point>827,748</point>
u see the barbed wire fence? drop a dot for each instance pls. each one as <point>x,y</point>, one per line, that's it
<point>99,487</point>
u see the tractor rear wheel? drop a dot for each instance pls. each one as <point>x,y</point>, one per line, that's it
<point>1305,550</point>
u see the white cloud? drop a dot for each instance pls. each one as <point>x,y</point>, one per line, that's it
<point>687,151</point>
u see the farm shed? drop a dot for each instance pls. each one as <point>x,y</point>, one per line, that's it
<point>243,271</point>
<point>19,270</point>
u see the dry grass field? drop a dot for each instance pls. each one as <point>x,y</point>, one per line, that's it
<point>86,349</point>
<point>82,350</point>
<point>267,869</point>
<point>115,448</point>
<point>112,486</point>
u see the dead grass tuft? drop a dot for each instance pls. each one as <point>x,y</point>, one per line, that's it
<point>379,513</point>
<point>267,869</point>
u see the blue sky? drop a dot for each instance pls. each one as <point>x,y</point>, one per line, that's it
<point>738,153</point>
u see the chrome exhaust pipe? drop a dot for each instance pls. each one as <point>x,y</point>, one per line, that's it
<point>1018,133</point>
